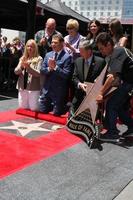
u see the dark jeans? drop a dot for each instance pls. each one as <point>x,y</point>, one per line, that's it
<point>117,106</point>
<point>48,104</point>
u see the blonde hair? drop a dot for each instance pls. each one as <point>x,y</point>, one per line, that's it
<point>35,53</point>
<point>16,39</point>
<point>72,23</point>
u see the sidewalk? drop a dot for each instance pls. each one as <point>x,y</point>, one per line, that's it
<point>8,100</point>
<point>127,193</point>
<point>103,173</point>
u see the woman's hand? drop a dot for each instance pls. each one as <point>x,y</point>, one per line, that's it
<point>25,63</point>
<point>68,45</point>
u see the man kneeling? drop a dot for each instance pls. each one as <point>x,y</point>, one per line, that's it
<point>56,69</point>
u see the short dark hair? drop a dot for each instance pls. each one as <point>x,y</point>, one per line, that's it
<point>59,36</point>
<point>104,38</point>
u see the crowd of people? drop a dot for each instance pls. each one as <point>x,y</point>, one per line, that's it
<point>53,70</point>
<point>10,53</point>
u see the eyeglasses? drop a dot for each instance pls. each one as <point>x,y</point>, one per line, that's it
<point>69,28</point>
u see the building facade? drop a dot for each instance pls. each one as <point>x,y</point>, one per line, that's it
<point>103,10</point>
<point>127,12</point>
<point>99,9</point>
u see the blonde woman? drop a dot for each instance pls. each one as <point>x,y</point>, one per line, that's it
<point>28,70</point>
<point>73,38</point>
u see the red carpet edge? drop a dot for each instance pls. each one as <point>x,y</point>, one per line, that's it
<point>48,117</point>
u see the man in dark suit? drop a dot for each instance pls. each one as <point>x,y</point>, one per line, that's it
<point>57,69</point>
<point>86,69</point>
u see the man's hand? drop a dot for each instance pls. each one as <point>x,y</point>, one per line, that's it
<point>43,41</point>
<point>82,86</point>
<point>99,98</point>
<point>105,87</point>
<point>51,64</point>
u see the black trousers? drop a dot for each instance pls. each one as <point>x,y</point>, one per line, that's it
<point>118,106</point>
<point>48,103</point>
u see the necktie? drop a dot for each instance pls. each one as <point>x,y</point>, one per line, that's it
<point>86,69</point>
<point>56,54</point>
<point>25,78</point>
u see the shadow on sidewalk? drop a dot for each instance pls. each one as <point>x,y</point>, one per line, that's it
<point>8,94</point>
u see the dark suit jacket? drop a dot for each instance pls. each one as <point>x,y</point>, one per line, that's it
<point>55,84</point>
<point>95,69</point>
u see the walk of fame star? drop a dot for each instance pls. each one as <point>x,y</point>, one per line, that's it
<point>25,128</point>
